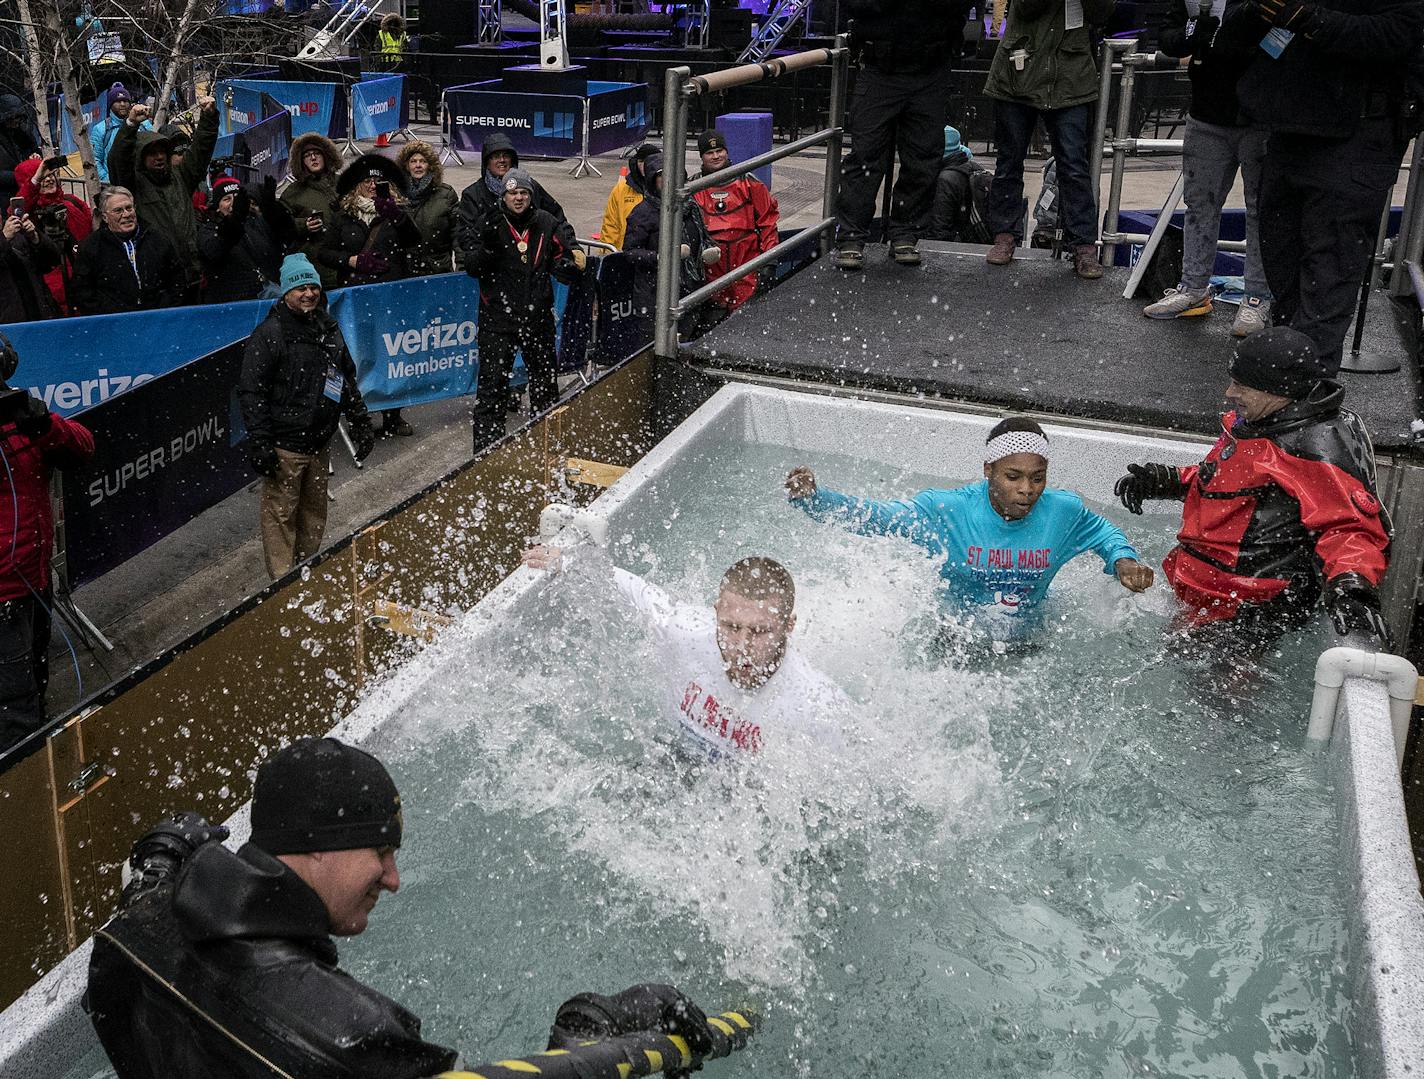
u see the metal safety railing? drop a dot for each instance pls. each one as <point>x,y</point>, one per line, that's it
<point>680,87</point>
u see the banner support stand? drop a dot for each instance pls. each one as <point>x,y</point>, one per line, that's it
<point>349,147</point>
<point>585,166</point>
<point>447,147</point>
<point>61,598</point>
<point>350,446</point>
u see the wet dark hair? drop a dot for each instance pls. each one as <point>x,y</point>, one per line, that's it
<point>759,578</point>
<point>1015,423</point>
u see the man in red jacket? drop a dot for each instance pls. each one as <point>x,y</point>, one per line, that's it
<point>1284,502</point>
<point>33,441</point>
<point>742,219</point>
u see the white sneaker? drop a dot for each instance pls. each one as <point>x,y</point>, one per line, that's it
<point>1178,303</point>
<point>1254,314</point>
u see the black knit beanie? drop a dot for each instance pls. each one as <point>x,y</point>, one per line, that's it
<point>319,794</point>
<point>1278,360</point>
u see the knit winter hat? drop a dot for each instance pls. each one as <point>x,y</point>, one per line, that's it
<point>119,92</point>
<point>298,270</point>
<point>319,794</point>
<point>225,185</point>
<point>711,140</point>
<point>1278,360</point>
<point>516,179</point>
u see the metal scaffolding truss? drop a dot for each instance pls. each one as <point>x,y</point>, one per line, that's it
<point>782,18</point>
<point>334,39</point>
<point>696,24</point>
<point>489,27</point>
<point>553,35</point>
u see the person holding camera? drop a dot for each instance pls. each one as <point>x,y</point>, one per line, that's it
<point>310,198</point>
<point>25,257</point>
<point>298,380</point>
<point>898,103</point>
<point>221,962</point>
<point>1335,82</point>
<point>33,442</point>
<point>63,219</point>
<point>1218,144</point>
<point>1044,69</point>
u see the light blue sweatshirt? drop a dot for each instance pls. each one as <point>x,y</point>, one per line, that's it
<point>989,563</point>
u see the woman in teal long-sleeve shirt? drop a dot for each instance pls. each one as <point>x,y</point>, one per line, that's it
<point>1002,539</point>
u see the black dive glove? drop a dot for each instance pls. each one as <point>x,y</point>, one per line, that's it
<point>162,850</point>
<point>1144,482</point>
<point>35,421</point>
<point>1354,607</point>
<point>591,1017</point>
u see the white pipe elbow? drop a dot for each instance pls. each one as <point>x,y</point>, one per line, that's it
<point>1336,664</point>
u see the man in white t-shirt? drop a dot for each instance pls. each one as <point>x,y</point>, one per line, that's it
<point>734,680</point>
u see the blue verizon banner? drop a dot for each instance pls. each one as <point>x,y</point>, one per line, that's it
<point>162,456</point>
<point>258,151</point>
<point>377,105</point>
<point>539,125</point>
<point>75,364</point>
<point>312,105</point>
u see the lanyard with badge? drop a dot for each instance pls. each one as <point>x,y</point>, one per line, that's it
<point>334,382</point>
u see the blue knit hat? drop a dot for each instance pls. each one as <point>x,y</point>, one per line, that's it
<point>298,270</point>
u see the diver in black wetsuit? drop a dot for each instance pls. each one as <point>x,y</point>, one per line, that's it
<point>222,963</point>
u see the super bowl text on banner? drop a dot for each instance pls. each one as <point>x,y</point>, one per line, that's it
<point>75,364</point>
<point>162,455</point>
<point>539,125</point>
<point>376,105</point>
<point>617,115</point>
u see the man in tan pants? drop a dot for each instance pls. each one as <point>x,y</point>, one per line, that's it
<point>298,379</point>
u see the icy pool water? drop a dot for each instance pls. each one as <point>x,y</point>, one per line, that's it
<point>1107,856</point>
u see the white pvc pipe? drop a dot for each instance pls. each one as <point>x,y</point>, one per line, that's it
<point>1400,677</point>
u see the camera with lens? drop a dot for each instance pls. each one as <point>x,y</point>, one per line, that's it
<point>18,406</point>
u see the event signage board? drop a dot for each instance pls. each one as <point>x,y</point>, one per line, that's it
<point>617,116</point>
<point>377,105</point>
<point>259,151</point>
<point>539,125</point>
<point>161,457</point>
<point>312,105</point>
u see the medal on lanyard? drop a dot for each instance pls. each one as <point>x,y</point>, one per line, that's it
<point>521,241</point>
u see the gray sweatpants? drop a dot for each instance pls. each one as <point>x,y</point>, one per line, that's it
<point>1210,157</point>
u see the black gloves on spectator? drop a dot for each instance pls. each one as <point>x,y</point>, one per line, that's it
<point>162,850</point>
<point>1145,482</point>
<point>263,459</point>
<point>363,437</point>
<point>389,209</point>
<point>1354,607</point>
<point>372,263</point>
<point>267,197</point>
<point>36,420</point>
<point>591,1017</point>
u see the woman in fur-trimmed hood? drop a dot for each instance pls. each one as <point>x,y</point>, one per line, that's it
<point>432,207</point>
<point>311,196</point>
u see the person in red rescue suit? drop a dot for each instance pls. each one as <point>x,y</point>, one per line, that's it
<point>742,219</point>
<point>1284,501</point>
<point>33,442</point>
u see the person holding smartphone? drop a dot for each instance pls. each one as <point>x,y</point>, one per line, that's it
<point>63,219</point>
<point>372,237</point>
<point>311,197</point>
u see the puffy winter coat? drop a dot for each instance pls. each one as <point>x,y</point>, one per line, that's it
<point>477,201</point>
<point>626,194</point>
<point>432,209</point>
<point>1059,70</point>
<point>240,258</point>
<point>237,969</point>
<point>516,287</point>
<point>349,235</point>
<point>31,459</point>
<point>310,194</point>
<point>905,35</point>
<point>106,282</point>
<point>285,368</point>
<point>47,208</point>
<point>1278,506</point>
<point>24,297</point>
<point>165,200</point>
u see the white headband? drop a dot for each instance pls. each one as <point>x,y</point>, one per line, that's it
<point>1012,442</point>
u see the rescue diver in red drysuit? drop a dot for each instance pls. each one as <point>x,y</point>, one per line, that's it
<point>1284,501</point>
